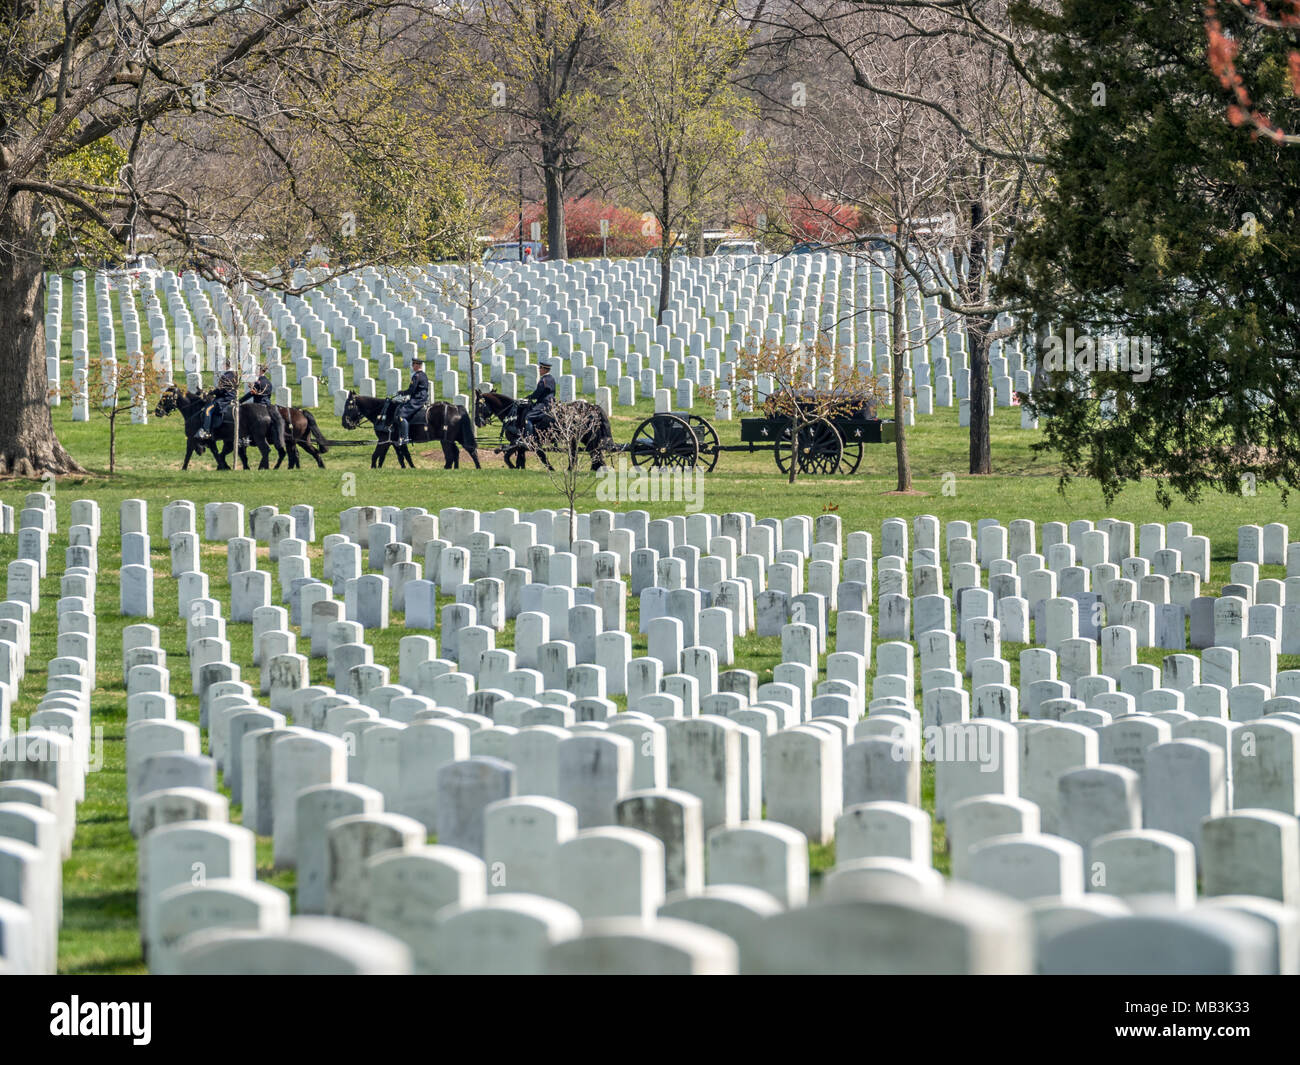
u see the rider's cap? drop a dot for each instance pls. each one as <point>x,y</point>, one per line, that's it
<point>543,365</point>
<point>417,362</point>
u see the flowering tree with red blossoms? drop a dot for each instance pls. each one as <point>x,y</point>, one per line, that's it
<point>1253,17</point>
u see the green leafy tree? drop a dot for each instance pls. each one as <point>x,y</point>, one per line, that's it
<point>529,64</point>
<point>1162,274</point>
<point>668,134</point>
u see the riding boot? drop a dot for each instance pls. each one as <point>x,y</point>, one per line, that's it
<point>403,432</point>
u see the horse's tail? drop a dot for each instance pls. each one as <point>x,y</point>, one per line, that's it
<point>468,438</point>
<point>321,443</point>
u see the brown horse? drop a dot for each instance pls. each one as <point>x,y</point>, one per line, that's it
<point>301,431</point>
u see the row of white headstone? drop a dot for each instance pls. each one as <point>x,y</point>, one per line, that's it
<point>592,320</point>
<point>650,794</point>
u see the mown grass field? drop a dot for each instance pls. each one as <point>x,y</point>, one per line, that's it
<point>99,931</point>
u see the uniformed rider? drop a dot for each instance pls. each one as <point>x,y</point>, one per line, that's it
<point>261,392</point>
<point>415,397</point>
<point>217,411</point>
<point>540,399</point>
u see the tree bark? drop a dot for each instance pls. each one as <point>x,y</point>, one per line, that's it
<point>898,363</point>
<point>29,446</point>
<point>665,279</point>
<point>977,344</point>
<point>665,257</point>
<point>469,315</point>
<point>977,334</point>
<point>557,236</point>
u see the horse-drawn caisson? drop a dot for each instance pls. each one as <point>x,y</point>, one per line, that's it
<point>826,444</point>
<point>818,443</point>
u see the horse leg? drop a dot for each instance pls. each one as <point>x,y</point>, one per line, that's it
<point>311,450</point>
<point>450,456</point>
<point>211,445</point>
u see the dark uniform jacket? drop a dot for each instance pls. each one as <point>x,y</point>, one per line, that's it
<point>417,395</point>
<point>260,392</point>
<point>544,393</point>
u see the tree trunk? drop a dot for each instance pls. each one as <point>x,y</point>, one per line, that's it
<point>112,439</point>
<point>977,333</point>
<point>557,237</point>
<point>28,444</point>
<point>469,314</point>
<point>898,364</point>
<point>665,279</point>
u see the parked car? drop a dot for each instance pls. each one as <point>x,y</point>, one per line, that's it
<point>679,250</point>
<point>873,242</point>
<point>807,247</point>
<point>739,247</point>
<point>509,252</point>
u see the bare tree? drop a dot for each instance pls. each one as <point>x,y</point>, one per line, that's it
<point>114,390</point>
<point>572,426</point>
<point>887,156</point>
<point>987,117</point>
<point>236,134</point>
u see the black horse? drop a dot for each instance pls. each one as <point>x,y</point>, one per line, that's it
<point>590,430</point>
<point>255,427</point>
<point>443,423</point>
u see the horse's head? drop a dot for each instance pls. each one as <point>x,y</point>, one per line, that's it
<point>484,408</point>
<point>351,412</point>
<point>169,401</point>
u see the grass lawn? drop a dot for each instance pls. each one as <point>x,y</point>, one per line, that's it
<point>99,931</point>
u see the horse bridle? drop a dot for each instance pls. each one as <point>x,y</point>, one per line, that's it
<point>505,416</point>
<point>351,406</point>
